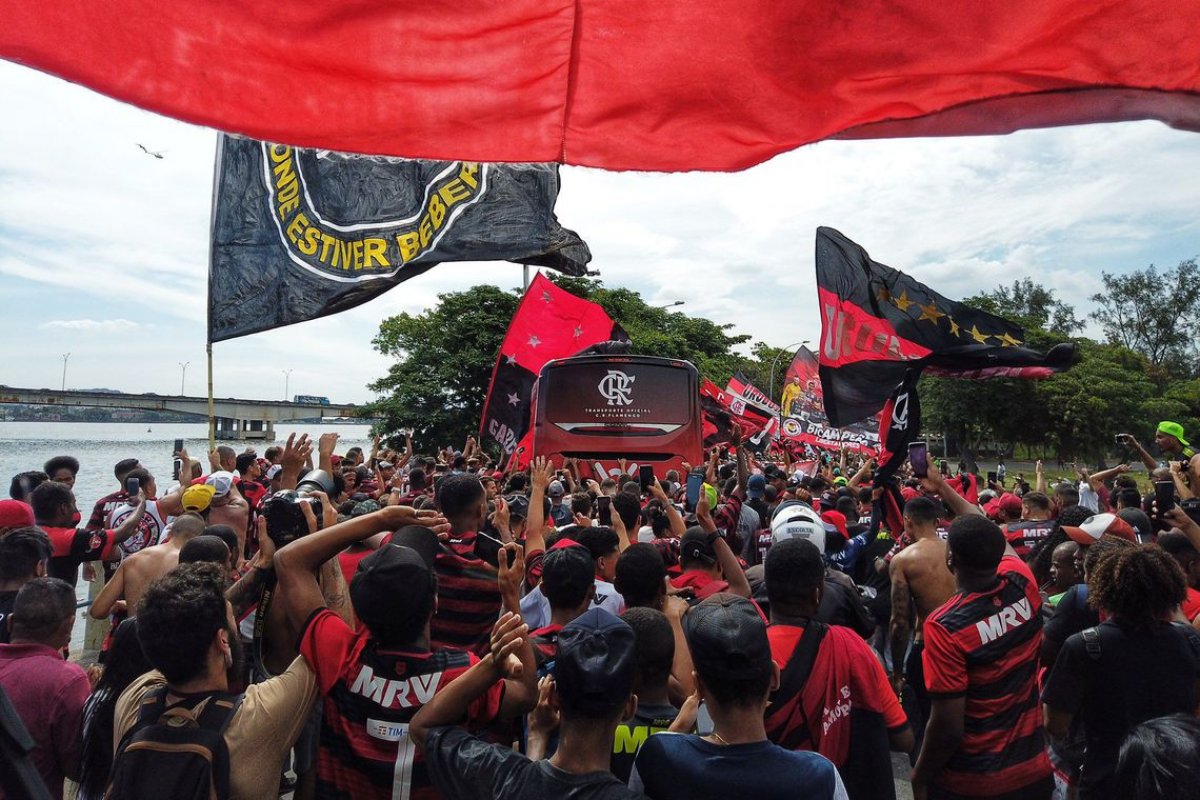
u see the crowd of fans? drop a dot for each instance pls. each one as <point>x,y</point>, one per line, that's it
<point>392,625</point>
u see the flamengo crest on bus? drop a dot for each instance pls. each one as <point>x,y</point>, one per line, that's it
<point>617,388</point>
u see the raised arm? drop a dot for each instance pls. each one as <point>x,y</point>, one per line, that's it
<point>131,523</point>
<point>862,473</point>
<point>535,523</point>
<point>674,519</point>
<point>297,452</point>
<point>296,565</point>
<point>325,447</point>
<point>1130,440</point>
<point>1039,477</point>
<point>245,593</point>
<point>960,505</point>
<point>730,568</point>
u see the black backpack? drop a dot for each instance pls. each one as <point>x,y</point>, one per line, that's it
<point>171,752</point>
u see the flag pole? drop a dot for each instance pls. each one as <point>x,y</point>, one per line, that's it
<point>212,225</point>
<point>525,269</point>
<point>212,420</point>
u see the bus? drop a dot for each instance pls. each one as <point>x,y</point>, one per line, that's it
<point>602,408</point>
<point>310,399</point>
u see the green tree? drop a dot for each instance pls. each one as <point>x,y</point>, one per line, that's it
<point>1031,305</point>
<point>1155,314</point>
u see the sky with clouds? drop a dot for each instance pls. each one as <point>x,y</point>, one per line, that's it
<point>103,248</point>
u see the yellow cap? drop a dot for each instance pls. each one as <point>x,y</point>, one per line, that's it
<point>198,497</point>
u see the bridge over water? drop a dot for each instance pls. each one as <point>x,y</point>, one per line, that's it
<point>235,418</point>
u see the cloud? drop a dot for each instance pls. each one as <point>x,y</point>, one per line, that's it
<point>96,325</point>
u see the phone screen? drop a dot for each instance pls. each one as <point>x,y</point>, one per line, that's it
<point>646,477</point>
<point>604,509</point>
<point>178,445</point>
<point>918,456</point>
<point>132,486</point>
<point>694,482</point>
<point>1164,496</point>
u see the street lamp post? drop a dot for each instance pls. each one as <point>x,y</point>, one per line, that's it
<point>183,365</point>
<point>776,363</point>
<point>671,305</point>
<point>287,376</point>
<point>64,380</point>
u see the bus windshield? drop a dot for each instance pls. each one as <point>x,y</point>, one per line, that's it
<point>603,408</point>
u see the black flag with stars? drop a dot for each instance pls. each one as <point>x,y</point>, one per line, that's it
<point>879,325</point>
<point>550,323</point>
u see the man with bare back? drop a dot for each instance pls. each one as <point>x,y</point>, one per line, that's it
<point>144,567</point>
<point>920,578</point>
<point>228,507</point>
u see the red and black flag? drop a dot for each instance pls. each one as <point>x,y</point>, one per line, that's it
<point>550,323</point>
<point>878,323</point>
<point>880,329</point>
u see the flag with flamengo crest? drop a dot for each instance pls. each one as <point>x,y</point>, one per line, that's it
<point>881,329</point>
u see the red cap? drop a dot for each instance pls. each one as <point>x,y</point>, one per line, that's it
<point>1009,504</point>
<point>497,476</point>
<point>838,520</point>
<point>1091,529</point>
<point>15,514</point>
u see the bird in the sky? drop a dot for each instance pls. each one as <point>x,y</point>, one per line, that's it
<point>150,152</point>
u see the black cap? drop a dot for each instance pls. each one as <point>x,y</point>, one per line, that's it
<point>728,639</point>
<point>397,576</point>
<point>595,665</point>
<point>518,505</point>
<point>696,546</point>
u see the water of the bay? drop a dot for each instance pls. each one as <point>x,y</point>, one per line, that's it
<point>27,446</point>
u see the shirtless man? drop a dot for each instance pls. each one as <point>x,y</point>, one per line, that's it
<point>920,577</point>
<point>124,590</point>
<point>228,507</point>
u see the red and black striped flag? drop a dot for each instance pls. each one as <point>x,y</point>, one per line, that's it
<point>550,323</point>
<point>881,329</point>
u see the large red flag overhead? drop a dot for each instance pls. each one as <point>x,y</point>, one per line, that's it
<point>620,84</point>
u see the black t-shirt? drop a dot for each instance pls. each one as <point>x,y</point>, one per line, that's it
<point>465,767</point>
<point>632,734</point>
<point>1138,675</point>
<point>1071,615</point>
<point>7,601</point>
<point>841,605</point>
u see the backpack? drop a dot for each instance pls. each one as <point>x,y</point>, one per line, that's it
<point>171,752</point>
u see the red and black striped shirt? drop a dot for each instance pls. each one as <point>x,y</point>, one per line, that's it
<point>468,597</point>
<point>984,646</point>
<point>371,695</point>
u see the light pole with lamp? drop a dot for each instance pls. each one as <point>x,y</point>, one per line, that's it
<point>64,380</point>
<point>183,365</point>
<point>670,305</point>
<point>287,376</point>
<point>775,363</point>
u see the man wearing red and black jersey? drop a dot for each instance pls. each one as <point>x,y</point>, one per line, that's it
<point>105,505</point>
<point>54,509</point>
<point>468,597</point>
<point>376,678</point>
<point>1035,524</point>
<point>568,584</point>
<point>985,736</point>
<point>834,697</point>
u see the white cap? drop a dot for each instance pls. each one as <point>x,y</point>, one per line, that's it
<point>222,482</point>
<point>797,520</point>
